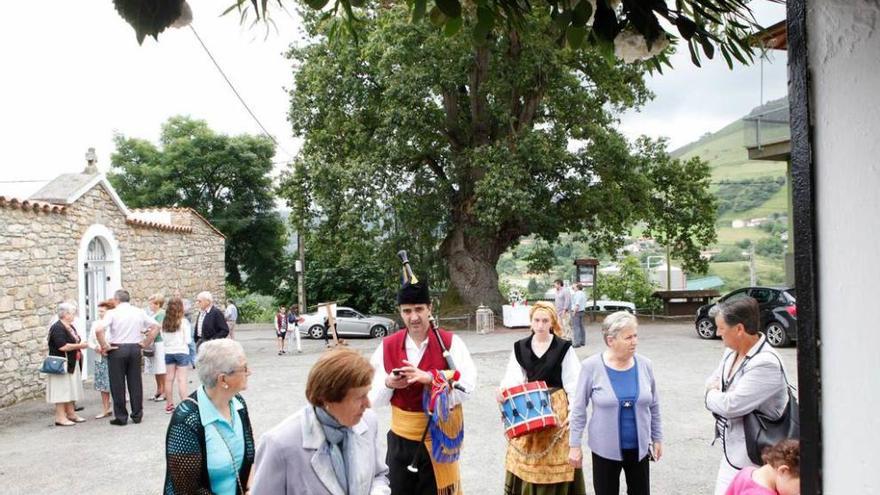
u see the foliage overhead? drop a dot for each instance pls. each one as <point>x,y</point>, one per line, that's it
<point>224,178</point>
<point>455,151</point>
<point>629,29</point>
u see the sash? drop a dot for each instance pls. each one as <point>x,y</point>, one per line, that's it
<point>411,424</point>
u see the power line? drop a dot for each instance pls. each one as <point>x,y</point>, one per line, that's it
<point>21,181</point>
<point>232,87</point>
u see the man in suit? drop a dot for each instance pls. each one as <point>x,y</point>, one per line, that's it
<point>210,322</point>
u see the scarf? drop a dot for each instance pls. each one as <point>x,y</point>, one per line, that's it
<point>338,438</point>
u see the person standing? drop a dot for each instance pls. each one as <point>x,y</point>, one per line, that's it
<point>281,326</point>
<point>120,336</point>
<point>66,388</point>
<point>210,323</point>
<point>750,377</point>
<point>154,356</point>
<point>624,430</point>
<point>405,364</point>
<point>562,301</point>
<point>102,375</point>
<point>177,333</point>
<point>538,462</point>
<point>578,304</point>
<point>293,321</point>
<point>231,315</point>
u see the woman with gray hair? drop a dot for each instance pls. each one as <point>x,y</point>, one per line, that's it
<point>209,447</point>
<point>624,428</point>
<point>749,377</point>
<point>66,388</point>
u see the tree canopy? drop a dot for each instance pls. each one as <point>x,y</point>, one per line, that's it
<point>224,178</point>
<point>456,150</point>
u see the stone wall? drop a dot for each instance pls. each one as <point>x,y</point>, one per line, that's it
<point>38,266</point>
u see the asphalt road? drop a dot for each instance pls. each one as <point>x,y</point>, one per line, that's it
<point>97,458</point>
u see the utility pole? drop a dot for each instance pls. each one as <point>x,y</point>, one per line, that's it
<point>300,271</point>
<point>753,272</point>
<point>668,269</point>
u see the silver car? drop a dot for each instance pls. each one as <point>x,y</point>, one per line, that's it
<point>349,323</point>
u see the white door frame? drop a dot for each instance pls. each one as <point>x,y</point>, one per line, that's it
<point>114,275</point>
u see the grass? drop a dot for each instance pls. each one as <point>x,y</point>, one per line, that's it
<point>736,273</point>
<point>728,236</point>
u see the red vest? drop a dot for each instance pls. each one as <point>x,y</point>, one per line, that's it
<point>394,352</point>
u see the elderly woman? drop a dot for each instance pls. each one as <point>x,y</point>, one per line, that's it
<point>538,462</point>
<point>65,388</point>
<point>331,446</point>
<point>209,447</point>
<point>102,374</point>
<point>748,378</point>
<point>624,427</point>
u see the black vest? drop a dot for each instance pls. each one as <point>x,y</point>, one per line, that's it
<point>547,368</point>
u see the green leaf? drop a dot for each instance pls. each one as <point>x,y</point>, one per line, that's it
<point>575,36</point>
<point>581,14</point>
<point>562,20</point>
<point>317,4</point>
<point>419,7</point>
<point>356,3</point>
<point>438,18</point>
<point>708,47</point>
<point>453,26</point>
<point>686,27</point>
<point>451,8</point>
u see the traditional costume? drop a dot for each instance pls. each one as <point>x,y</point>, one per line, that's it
<point>419,406</point>
<point>537,463</point>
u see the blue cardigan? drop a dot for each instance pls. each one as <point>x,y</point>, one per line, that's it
<point>603,435</point>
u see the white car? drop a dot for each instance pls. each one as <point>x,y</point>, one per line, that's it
<point>607,306</point>
<point>349,323</point>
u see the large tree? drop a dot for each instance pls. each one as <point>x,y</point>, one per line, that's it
<point>463,148</point>
<point>224,178</point>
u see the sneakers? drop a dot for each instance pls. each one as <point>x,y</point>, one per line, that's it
<point>157,398</point>
<point>169,408</point>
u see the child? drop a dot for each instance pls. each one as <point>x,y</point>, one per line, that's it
<point>779,475</point>
<point>281,329</point>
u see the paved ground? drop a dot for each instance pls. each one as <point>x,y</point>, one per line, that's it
<point>98,458</point>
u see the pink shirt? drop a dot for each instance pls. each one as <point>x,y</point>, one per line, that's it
<point>743,484</point>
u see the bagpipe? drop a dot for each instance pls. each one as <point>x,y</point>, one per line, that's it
<point>446,429</point>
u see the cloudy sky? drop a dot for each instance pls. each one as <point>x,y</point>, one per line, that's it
<point>74,75</point>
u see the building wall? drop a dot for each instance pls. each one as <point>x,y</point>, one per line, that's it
<point>39,268</point>
<point>843,39</point>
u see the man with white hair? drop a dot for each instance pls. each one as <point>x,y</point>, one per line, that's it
<point>210,323</point>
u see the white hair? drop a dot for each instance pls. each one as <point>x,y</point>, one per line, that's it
<point>206,296</point>
<point>65,308</point>
<point>217,357</point>
<point>616,323</point>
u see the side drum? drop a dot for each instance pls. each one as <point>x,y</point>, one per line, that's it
<point>526,408</point>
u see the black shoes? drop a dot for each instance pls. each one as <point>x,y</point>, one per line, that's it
<point>117,422</point>
<point>136,420</point>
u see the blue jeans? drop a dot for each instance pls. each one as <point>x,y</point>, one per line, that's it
<point>578,333</point>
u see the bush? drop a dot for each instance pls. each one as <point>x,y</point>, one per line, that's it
<point>630,284</point>
<point>729,253</point>
<point>252,307</point>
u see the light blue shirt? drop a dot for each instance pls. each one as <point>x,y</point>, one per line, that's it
<point>222,467</point>
<point>579,299</point>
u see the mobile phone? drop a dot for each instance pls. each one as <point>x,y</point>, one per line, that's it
<point>651,452</point>
<point>396,372</point>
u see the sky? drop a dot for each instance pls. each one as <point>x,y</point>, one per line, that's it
<point>74,76</point>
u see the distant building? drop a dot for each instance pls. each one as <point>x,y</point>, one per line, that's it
<point>738,224</point>
<point>75,240</point>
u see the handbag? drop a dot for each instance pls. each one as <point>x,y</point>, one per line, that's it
<point>762,432</point>
<point>54,365</point>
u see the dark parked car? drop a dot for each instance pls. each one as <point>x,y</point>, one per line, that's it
<point>778,314</point>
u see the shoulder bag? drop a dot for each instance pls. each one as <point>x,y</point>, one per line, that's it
<point>54,365</point>
<point>762,432</point>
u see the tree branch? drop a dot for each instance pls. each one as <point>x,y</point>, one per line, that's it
<point>479,103</point>
<point>450,107</point>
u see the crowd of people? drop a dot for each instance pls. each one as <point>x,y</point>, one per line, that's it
<point>423,374</point>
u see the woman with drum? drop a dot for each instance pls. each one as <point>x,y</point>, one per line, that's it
<point>624,428</point>
<point>541,375</point>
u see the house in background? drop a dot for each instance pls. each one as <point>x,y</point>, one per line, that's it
<point>75,240</point>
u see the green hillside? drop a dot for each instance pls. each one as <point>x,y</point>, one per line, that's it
<point>726,154</point>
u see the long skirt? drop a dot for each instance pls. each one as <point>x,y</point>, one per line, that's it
<point>66,387</point>
<point>102,375</point>
<point>537,463</point>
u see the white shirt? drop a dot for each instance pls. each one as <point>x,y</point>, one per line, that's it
<point>578,300</point>
<point>125,323</point>
<point>178,342</point>
<point>200,321</point>
<point>515,375</point>
<point>380,395</point>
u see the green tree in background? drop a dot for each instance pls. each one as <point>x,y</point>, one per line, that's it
<point>224,178</point>
<point>455,151</point>
<point>630,284</point>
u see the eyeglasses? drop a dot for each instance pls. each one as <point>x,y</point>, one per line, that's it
<point>244,369</point>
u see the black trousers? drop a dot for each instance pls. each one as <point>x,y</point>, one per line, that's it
<point>400,455</point>
<point>124,367</point>
<point>606,474</point>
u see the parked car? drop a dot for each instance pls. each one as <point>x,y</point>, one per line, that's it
<point>611,306</point>
<point>778,314</point>
<point>349,323</point>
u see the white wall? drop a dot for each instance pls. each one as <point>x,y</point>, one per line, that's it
<point>843,37</point>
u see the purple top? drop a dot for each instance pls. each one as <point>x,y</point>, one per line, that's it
<point>603,430</point>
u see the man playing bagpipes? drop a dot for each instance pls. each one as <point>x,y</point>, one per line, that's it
<point>423,373</point>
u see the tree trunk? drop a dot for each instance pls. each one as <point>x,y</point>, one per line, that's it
<point>472,273</point>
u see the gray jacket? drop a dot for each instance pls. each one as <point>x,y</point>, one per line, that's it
<point>603,431</point>
<point>294,458</point>
<point>759,385</point>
